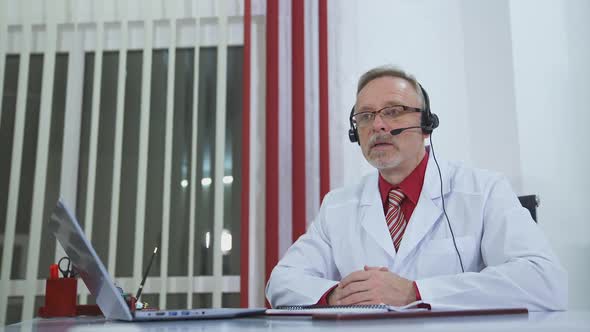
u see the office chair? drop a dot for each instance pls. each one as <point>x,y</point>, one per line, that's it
<point>530,202</point>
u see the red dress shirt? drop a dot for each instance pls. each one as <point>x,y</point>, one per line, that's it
<point>411,187</point>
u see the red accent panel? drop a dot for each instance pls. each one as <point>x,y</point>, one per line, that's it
<point>323,85</point>
<point>245,199</point>
<point>298,117</point>
<point>272,135</point>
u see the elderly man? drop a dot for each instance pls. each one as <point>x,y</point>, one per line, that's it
<point>443,233</point>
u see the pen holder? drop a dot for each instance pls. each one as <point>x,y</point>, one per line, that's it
<point>60,298</point>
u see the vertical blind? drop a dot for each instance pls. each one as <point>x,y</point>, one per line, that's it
<point>136,124</point>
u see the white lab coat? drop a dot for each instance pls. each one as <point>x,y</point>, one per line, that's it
<point>507,259</point>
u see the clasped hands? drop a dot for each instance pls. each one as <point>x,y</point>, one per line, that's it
<point>373,285</point>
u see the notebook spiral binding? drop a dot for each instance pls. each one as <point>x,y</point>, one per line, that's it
<point>357,306</point>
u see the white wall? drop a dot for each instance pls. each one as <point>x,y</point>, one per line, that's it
<point>551,47</point>
<point>509,81</point>
<point>409,34</point>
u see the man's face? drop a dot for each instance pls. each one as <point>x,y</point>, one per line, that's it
<point>380,148</point>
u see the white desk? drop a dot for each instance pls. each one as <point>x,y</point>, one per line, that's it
<point>534,321</point>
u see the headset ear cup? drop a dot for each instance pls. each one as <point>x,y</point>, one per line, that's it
<point>433,121</point>
<point>425,123</point>
<point>352,135</point>
<point>429,122</point>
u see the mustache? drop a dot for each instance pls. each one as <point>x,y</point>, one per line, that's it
<point>381,138</point>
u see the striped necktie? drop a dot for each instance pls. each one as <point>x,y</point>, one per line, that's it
<point>396,221</point>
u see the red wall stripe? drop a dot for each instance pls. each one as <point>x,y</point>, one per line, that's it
<point>245,201</point>
<point>298,117</point>
<point>272,137</point>
<point>323,86</point>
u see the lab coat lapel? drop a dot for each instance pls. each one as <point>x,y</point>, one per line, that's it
<point>427,212</point>
<point>372,216</point>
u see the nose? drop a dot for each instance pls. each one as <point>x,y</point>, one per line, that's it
<point>378,123</point>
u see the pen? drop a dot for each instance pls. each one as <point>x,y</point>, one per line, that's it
<point>147,270</point>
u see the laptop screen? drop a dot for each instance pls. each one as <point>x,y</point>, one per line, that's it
<point>86,262</point>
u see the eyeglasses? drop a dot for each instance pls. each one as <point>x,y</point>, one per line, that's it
<point>388,114</point>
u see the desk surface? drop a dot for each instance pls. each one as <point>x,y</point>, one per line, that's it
<point>534,321</point>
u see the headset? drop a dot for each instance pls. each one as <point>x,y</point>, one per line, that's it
<point>428,122</point>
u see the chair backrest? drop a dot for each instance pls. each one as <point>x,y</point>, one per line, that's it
<point>530,202</point>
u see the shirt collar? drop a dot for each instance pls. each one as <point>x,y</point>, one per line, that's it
<point>411,185</point>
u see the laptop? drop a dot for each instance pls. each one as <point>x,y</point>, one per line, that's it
<point>86,262</point>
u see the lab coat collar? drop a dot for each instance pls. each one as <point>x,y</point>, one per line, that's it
<point>432,179</point>
<point>431,182</point>
<point>427,211</point>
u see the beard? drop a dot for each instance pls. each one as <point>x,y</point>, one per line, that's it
<point>382,159</point>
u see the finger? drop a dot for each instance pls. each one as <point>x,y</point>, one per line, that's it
<point>354,287</point>
<point>356,298</point>
<point>354,276</point>
<point>334,296</point>
<point>339,292</point>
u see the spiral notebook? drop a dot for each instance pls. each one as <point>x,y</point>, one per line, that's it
<point>308,310</point>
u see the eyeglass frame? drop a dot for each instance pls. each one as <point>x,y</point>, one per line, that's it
<point>407,110</point>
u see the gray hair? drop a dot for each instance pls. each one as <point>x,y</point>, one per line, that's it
<point>391,71</point>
